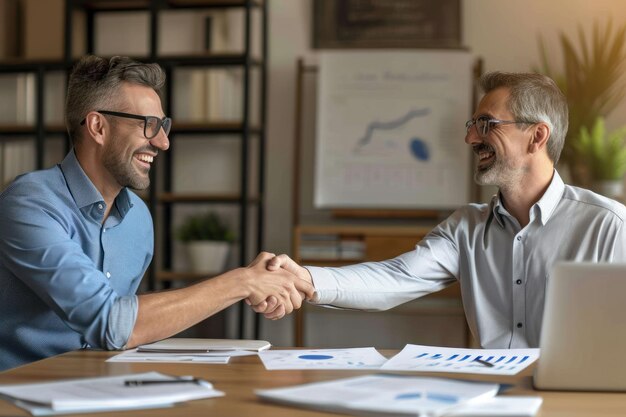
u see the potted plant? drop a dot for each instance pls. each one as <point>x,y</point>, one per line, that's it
<point>606,157</point>
<point>592,81</point>
<point>207,239</point>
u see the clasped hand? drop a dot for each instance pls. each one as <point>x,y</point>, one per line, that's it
<point>281,285</point>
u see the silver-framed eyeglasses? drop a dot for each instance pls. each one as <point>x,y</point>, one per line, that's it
<point>485,123</point>
<point>151,124</point>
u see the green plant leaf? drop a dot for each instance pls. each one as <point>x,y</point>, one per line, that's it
<point>593,83</point>
<point>207,226</point>
<point>604,151</point>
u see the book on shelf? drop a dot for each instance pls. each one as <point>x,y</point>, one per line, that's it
<point>331,246</point>
<point>54,98</point>
<point>17,156</point>
<point>25,100</point>
<point>17,99</point>
<point>352,249</point>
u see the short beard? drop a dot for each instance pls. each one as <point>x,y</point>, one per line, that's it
<point>491,175</point>
<point>499,174</point>
<point>123,171</point>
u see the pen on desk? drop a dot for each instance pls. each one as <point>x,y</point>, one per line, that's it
<point>482,362</point>
<point>140,382</point>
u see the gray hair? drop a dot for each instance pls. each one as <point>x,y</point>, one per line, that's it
<point>534,97</point>
<point>95,82</point>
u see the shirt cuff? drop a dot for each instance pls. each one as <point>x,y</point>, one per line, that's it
<point>325,285</point>
<point>122,319</point>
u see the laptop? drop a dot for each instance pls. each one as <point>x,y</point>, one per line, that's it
<point>583,335</point>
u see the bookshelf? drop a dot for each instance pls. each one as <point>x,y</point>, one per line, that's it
<point>32,132</point>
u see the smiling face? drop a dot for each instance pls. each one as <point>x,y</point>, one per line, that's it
<point>127,154</point>
<point>503,153</point>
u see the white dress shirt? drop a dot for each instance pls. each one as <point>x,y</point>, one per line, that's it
<point>502,268</point>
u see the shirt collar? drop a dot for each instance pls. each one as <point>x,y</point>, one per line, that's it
<point>85,193</point>
<point>550,199</point>
<point>546,204</point>
<point>496,206</point>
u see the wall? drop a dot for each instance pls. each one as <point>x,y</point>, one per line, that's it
<point>503,33</point>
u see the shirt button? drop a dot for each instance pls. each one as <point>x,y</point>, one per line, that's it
<point>519,238</point>
<point>518,282</point>
<point>100,207</point>
<point>519,325</point>
<point>109,276</point>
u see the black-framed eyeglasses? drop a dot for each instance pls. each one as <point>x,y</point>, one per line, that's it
<point>151,124</point>
<point>485,123</point>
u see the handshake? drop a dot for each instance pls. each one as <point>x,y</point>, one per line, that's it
<point>276,285</point>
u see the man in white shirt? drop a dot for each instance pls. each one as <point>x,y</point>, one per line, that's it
<point>501,253</point>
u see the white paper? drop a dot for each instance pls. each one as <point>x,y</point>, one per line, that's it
<point>103,394</point>
<point>191,345</point>
<point>383,395</point>
<point>134,356</point>
<point>442,359</point>
<point>354,358</point>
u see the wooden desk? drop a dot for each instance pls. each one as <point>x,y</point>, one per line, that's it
<point>239,379</point>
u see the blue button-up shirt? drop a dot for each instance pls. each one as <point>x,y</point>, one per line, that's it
<point>502,268</point>
<point>66,280</point>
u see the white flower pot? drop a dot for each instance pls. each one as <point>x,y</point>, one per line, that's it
<point>207,256</point>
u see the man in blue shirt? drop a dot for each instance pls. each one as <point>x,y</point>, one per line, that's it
<point>75,241</point>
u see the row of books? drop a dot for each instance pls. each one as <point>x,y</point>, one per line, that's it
<point>201,95</point>
<point>16,157</point>
<point>212,95</point>
<point>18,99</point>
<point>329,247</point>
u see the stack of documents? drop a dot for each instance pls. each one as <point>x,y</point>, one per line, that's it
<point>395,395</point>
<point>383,395</point>
<point>192,350</point>
<point>125,392</point>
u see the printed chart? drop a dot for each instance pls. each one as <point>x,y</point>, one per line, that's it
<point>390,129</point>
<point>476,361</point>
<point>355,358</point>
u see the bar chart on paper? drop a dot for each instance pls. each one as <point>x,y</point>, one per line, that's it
<point>476,361</point>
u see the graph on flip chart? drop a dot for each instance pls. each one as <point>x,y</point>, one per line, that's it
<point>480,361</point>
<point>390,129</point>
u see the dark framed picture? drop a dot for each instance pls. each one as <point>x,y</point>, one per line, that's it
<point>386,24</point>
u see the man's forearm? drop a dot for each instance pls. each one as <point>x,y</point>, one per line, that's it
<point>166,313</point>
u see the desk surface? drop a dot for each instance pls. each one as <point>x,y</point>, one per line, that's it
<point>244,374</point>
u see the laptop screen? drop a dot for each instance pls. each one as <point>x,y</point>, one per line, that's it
<point>583,334</point>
